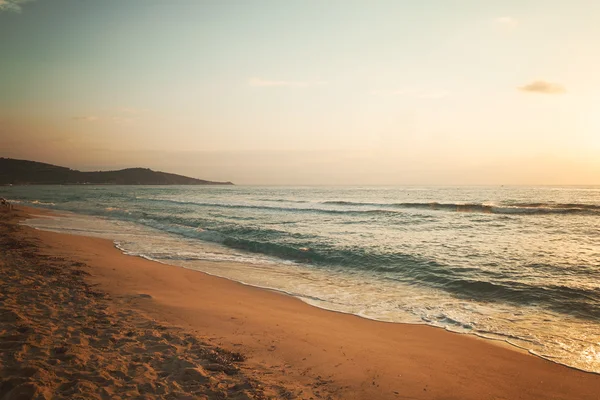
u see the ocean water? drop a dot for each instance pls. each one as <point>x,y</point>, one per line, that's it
<point>518,264</point>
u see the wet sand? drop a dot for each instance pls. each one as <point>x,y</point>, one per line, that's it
<point>270,344</point>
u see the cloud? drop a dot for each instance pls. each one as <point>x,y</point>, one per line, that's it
<point>12,5</point>
<point>507,22</point>
<point>543,87</point>
<point>123,120</point>
<point>259,82</point>
<point>121,116</point>
<point>87,118</point>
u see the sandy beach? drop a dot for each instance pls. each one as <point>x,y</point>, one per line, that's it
<point>79,319</point>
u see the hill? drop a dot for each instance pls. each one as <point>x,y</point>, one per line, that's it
<point>22,172</point>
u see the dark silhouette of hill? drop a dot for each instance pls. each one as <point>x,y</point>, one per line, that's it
<point>22,172</point>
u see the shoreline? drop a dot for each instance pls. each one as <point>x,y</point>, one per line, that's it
<point>365,359</point>
<point>498,342</point>
<point>492,340</point>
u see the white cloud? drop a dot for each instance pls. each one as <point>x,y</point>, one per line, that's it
<point>543,87</point>
<point>12,5</point>
<point>123,115</point>
<point>260,82</point>
<point>507,22</point>
<point>87,118</point>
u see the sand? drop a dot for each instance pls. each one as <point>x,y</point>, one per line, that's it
<point>79,318</point>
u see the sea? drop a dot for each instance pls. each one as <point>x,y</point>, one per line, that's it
<point>514,264</point>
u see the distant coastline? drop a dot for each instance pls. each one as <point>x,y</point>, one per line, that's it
<point>24,172</point>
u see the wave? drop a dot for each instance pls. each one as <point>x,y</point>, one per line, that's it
<point>582,206</point>
<point>394,208</point>
<point>514,208</point>
<point>487,286</point>
<point>285,200</point>
<point>42,203</point>
<point>273,208</point>
<point>351,203</point>
<point>411,269</point>
<point>493,209</point>
<point>583,303</point>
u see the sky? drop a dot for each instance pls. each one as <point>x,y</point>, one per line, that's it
<point>442,92</point>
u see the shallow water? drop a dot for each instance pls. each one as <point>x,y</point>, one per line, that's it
<point>520,264</point>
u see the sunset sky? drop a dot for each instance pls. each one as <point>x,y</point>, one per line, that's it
<point>307,92</point>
